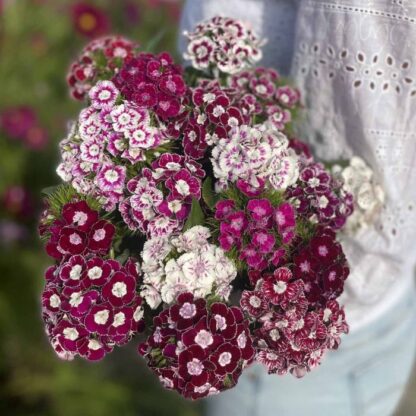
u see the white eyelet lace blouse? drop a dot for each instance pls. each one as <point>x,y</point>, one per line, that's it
<point>355,63</point>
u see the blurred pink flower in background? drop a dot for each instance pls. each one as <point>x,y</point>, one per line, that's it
<point>131,12</point>
<point>173,6</point>
<point>89,20</point>
<point>21,123</point>
<point>16,200</point>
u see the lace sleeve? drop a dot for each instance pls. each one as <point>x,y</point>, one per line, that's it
<point>354,62</point>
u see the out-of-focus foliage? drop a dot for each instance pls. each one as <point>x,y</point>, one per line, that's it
<point>38,40</point>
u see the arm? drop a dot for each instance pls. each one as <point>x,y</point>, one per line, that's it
<point>359,91</point>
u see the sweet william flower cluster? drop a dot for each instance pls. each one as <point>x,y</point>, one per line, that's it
<point>188,204</point>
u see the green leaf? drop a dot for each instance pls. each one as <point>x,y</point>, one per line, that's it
<point>208,194</point>
<point>196,216</point>
<point>50,190</point>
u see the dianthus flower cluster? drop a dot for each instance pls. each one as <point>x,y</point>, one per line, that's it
<point>198,349</point>
<point>256,156</point>
<point>263,93</point>
<point>209,219</point>
<point>224,44</point>
<point>159,199</point>
<point>89,302</point>
<point>100,59</point>
<point>293,307</point>
<point>187,262</point>
<point>153,82</point>
<point>258,232</point>
<point>110,130</point>
<point>319,197</point>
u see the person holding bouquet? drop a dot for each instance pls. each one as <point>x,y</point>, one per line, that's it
<point>353,63</point>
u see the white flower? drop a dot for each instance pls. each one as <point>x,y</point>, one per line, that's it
<point>151,296</point>
<point>358,179</point>
<point>201,269</point>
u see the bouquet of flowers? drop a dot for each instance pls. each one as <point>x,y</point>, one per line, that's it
<point>190,214</point>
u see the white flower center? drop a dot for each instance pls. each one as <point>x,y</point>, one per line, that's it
<point>323,201</point>
<point>80,218</point>
<point>204,338</point>
<point>182,187</point>
<point>221,322</point>
<point>75,272</point>
<point>75,239</point>
<point>187,310</point>
<point>54,301</point>
<point>299,324</point>
<point>119,289</point>
<point>76,299</point>
<point>225,359</point>
<point>104,95</point>
<point>119,319</point>
<point>323,251</point>
<point>242,340</point>
<point>261,89</point>
<point>218,110</point>
<point>95,273</point>
<point>71,333</point>
<point>195,367</point>
<point>175,206</point>
<point>280,287</point>
<point>255,301</point>
<point>101,317</point>
<point>271,356</point>
<point>111,175</point>
<point>313,182</point>
<point>99,235</point>
<point>94,345</point>
<point>274,334</point>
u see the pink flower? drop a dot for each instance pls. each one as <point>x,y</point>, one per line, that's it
<point>111,177</point>
<point>287,96</point>
<point>224,208</point>
<point>259,209</point>
<point>278,116</point>
<point>252,256</point>
<point>264,241</point>
<point>103,95</point>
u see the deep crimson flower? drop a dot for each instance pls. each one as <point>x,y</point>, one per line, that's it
<point>90,304</point>
<point>89,20</point>
<point>78,232</point>
<point>16,122</point>
<point>215,345</point>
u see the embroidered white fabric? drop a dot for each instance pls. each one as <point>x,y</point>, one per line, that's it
<point>355,64</point>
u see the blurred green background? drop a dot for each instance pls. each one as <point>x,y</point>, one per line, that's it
<point>38,40</point>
